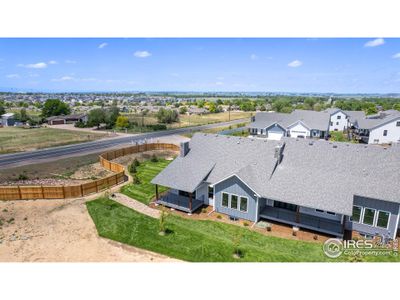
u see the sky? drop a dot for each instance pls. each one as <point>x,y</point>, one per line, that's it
<point>201,65</point>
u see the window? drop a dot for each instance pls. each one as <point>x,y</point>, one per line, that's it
<point>210,192</point>
<point>356,214</point>
<point>376,141</point>
<point>369,216</point>
<point>331,123</point>
<point>184,194</point>
<point>331,213</point>
<point>243,204</point>
<point>319,210</point>
<point>382,219</point>
<point>398,124</point>
<point>284,205</point>
<point>385,133</point>
<point>339,117</point>
<point>234,201</point>
<point>225,199</point>
<point>337,123</point>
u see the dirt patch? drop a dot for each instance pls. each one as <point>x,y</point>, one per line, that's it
<point>165,154</point>
<point>59,231</point>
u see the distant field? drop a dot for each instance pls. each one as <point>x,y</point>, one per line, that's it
<point>193,120</point>
<point>14,139</point>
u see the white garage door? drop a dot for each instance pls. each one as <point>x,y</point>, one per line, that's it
<point>274,135</point>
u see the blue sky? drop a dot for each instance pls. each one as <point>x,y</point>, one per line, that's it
<point>265,65</point>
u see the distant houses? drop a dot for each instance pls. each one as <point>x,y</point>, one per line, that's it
<point>382,128</point>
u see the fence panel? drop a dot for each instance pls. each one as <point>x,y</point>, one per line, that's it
<point>31,192</point>
<point>53,192</point>
<point>10,193</point>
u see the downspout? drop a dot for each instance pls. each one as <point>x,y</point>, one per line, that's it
<point>257,208</point>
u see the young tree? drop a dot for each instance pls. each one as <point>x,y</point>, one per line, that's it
<point>2,110</point>
<point>122,122</point>
<point>112,116</point>
<point>23,116</point>
<point>183,110</point>
<point>55,107</point>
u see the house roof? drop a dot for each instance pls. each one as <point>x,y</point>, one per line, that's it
<point>376,122</point>
<point>7,115</point>
<point>312,119</point>
<point>317,176</point>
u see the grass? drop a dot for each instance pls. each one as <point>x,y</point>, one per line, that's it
<point>145,191</point>
<point>201,240</point>
<point>196,240</point>
<point>13,139</point>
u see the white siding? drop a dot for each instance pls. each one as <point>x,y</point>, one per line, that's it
<point>338,124</point>
<point>298,129</point>
<point>393,133</point>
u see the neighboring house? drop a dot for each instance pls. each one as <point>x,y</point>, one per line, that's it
<point>298,124</point>
<point>7,120</point>
<point>384,130</point>
<point>69,119</point>
<point>333,188</point>
<point>197,110</point>
<point>339,120</point>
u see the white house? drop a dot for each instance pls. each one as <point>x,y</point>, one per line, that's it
<point>7,119</point>
<point>339,119</point>
<point>379,131</point>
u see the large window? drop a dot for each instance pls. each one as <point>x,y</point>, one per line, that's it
<point>356,214</point>
<point>383,219</point>
<point>398,124</point>
<point>369,216</point>
<point>210,192</point>
<point>339,117</point>
<point>243,204</point>
<point>234,201</point>
<point>385,133</point>
<point>225,199</point>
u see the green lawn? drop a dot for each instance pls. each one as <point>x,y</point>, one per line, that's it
<point>193,240</point>
<point>145,191</point>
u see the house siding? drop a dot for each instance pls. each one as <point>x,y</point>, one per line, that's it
<point>393,133</point>
<point>391,207</point>
<point>234,185</point>
<point>342,122</point>
<point>202,192</point>
<point>298,129</point>
<point>275,132</point>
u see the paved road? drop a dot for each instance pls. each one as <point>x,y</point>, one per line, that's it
<point>24,158</point>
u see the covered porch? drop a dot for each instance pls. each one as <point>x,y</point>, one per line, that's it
<point>183,201</point>
<point>302,220</point>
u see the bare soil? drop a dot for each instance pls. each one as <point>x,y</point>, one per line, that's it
<point>59,231</point>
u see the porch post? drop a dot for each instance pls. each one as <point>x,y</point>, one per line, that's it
<point>157,192</point>
<point>298,214</point>
<point>190,201</point>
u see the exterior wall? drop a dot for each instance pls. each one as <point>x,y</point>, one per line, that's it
<point>8,122</point>
<point>234,185</point>
<point>393,134</point>
<point>202,192</point>
<point>391,207</point>
<point>338,124</point>
<point>298,129</point>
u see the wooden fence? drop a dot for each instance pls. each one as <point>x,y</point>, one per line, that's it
<point>62,192</point>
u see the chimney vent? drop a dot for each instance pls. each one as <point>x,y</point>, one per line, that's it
<point>184,149</point>
<point>279,152</point>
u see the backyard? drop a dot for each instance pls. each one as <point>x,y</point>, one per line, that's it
<point>13,139</point>
<point>144,191</point>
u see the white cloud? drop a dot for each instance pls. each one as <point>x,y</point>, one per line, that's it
<point>68,61</point>
<point>12,76</point>
<point>64,78</point>
<point>219,83</point>
<point>253,57</point>
<point>374,43</point>
<point>102,45</point>
<point>142,54</point>
<point>397,55</point>
<point>52,62</point>
<point>296,63</point>
<point>39,65</point>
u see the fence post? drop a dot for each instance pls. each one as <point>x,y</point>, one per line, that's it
<point>63,189</point>
<point>81,190</point>
<point>19,193</point>
<point>42,191</point>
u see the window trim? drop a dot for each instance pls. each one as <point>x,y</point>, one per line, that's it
<point>377,215</point>
<point>361,214</point>
<point>373,221</point>
<point>247,204</point>
<point>230,201</point>
<point>222,199</point>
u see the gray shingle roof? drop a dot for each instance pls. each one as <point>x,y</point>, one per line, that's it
<point>316,176</point>
<point>312,119</point>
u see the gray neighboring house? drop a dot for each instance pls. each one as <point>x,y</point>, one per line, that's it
<point>67,119</point>
<point>298,124</point>
<point>333,188</point>
<point>7,119</point>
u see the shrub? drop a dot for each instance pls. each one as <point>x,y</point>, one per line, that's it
<point>22,177</point>
<point>154,158</point>
<point>10,220</point>
<point>136,162</point>
<point>204,210</point>
<point>136,179</point>
<point>132,168</point>
<point>162,221</point>
<point>245,224</point>
<point>219,217</point>
<point>315,237</point>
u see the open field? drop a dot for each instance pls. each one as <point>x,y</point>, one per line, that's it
<point>13,139</point>
<point>145,191</point>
